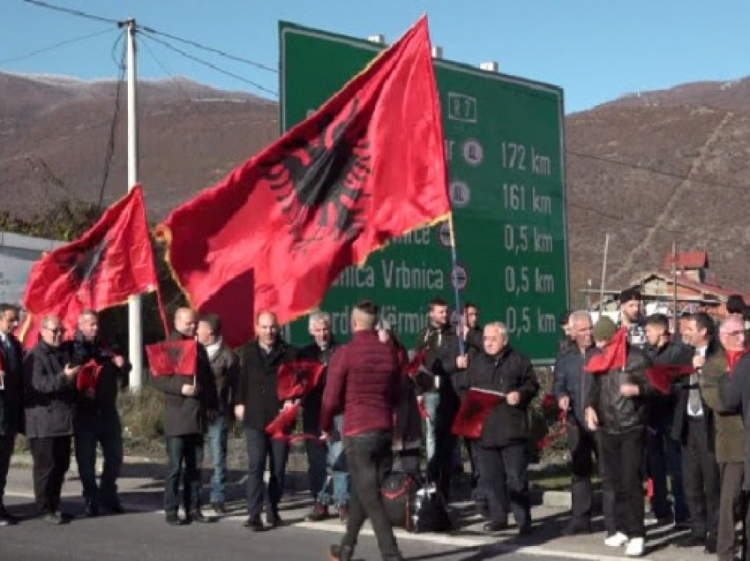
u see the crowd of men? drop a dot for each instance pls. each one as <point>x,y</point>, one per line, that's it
<point>687,437</point>
<point>373,405</point>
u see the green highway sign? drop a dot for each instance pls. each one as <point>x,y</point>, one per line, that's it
<point>504,141</point>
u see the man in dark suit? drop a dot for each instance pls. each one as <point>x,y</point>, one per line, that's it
<point>190,401</point>
<point>49,398</point>
<point>256,405</point>
<point>11,397</point>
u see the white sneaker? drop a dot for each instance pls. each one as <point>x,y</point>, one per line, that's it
<point>616,540</point>
<point>635,547</point>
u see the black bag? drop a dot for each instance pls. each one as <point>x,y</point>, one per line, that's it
<point>398,492</point>
<point>430,513</point>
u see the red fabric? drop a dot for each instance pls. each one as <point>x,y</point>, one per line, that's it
<point>733,357</point>
<point>110,262</point>
<point>368,166</point>
<point>298,378</point>
<point>475,409</point>
<point>88,376</point>
<point>173,357</point>
<point>613,356</point>
<point>416,363</point>
<point>549,401</point>
<point>660,375</point>
<point>364,382</point>
<point>283,421</point>
<point>561,431</point>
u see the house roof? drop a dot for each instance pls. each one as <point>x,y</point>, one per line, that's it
<point>687,260</point>
<point>713,289</point>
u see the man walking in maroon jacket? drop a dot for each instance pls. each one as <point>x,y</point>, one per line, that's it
<point>363,383</point>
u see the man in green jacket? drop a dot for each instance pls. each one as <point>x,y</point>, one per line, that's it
<point>729,435</point>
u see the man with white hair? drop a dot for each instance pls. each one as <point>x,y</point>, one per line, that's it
<point>503,455</point>
<point>318,454</point>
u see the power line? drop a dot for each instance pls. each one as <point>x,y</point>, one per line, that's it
<point>71,11</point>
<point>110,153</point>
<point>211,65</point>
<point>55,46</point>
<point>656,171</point>
<point>210,49</point>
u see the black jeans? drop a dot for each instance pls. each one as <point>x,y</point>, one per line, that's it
<point>104,430</point>
<point>51,460</point>
<point>505,481</point>
<point>369,458</point>
<point>187,448</point>
<point>7,442</point>
<point>260,446</point>
<point>584,448</point>
<point>622,454</point>
<point>700,474</point>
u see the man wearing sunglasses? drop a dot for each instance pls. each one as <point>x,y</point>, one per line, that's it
<point>50,396</point>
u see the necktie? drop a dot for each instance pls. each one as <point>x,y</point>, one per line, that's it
<point>694,400</point>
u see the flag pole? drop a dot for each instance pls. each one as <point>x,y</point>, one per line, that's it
<point>454,281</point>
<point>135,321</point>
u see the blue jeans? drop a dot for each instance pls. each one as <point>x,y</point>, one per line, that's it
<point>339,481</point>
<point>105,430</point>
<point>431,403</point>
<point>217,443</point>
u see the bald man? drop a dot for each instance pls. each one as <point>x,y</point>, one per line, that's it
<point>256,405</point>
<point>190,401</point>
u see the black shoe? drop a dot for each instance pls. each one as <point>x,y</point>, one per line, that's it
<point>691,541</point>
<point>525,529</point>
<point>54,518</point>
<point>710,548</point>
<point>340,553</point>
<point>197,516</point>
<point>219,507</point>
<point>114,507</point>
<point>495,526</point>
<point>576,527</point>
<point>682,524</point>
<point>483,509</point>
<point>6,518</point>
<point>92,510</point>
<point>319,512</point>
<point>173,519</point>
<point>274,520</point>
<point>254,523</point>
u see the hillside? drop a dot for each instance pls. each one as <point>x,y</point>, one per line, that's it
<point>649,168</point>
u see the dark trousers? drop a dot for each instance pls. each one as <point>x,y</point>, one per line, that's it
<point>701,478</point>
<point>584,446</point>
<point>260,446</point>
<point>664,464</point>
<point>51,457</point>
<point>369,458</point>
<point>731,508</point>
<point>505,481</point>
<point>105,431</point>
<point>440,466</point>
<point>7,442</point>
<point>187,449</point>
<point>622,455</point>
<point>410,460</point>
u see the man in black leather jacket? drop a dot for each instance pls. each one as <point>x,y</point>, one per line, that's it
<point>617,406</point>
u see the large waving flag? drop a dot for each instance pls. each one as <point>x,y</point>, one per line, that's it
<point>102,268</point>
<point>474,411</point>
<point>367,167</point>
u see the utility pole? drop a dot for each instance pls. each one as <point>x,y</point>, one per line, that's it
<point>674,283</point>
<point>135,318</point>
<point>604,275</point>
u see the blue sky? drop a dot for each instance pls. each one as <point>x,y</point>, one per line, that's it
<point>595,50</point>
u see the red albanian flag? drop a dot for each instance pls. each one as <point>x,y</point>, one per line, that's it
<point>474,411</point>
<point>173,357</point>
<point>101,269</point>
<point>298,378</point>
<point>88,376</point>
<point>368,166</point>
<point>660,375</point>
<point>613,356</point>
<point>283,421</point>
